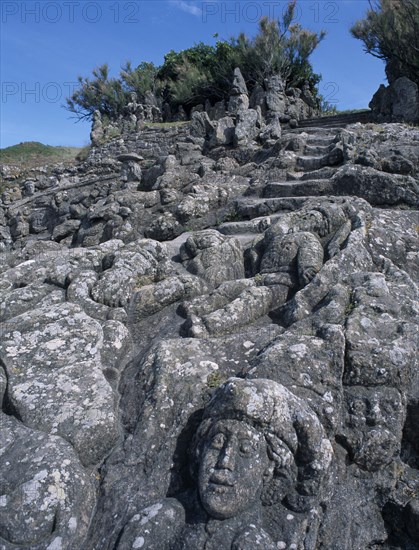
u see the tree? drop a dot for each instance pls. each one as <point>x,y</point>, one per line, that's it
<point>301,44</point>
<point>204,72</point>
<point>111,95</point>
<point>103,93</point>
<point>390,31</point>
<point>283,48</point>
<point>186,76</point>
<point>280,47</point>
<point>140,80</point>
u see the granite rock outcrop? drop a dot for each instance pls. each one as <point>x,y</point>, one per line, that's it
<point>209,339</point>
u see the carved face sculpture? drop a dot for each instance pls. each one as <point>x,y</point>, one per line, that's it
<point>232,466</point>
<point>243,451</point>
<point>375,421</point>
<point>313,221</point>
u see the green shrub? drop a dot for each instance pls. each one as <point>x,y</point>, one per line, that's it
<point>102,93</point>
<point>204,72</point>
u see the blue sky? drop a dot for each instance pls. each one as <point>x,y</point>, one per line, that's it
<point>46,44</point>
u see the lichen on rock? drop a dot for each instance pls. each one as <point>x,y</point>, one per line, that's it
<point>209,336</point>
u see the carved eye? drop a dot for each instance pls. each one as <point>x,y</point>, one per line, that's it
<point>218,441</point>
<point>246,447</point>
<point>356,407</point>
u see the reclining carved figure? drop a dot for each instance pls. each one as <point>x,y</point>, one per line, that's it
<point>285,260</point>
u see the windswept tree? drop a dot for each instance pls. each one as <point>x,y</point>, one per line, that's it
<point>140,80</point>
<point>390,31</point>
<point>111,95</point>
<point>101,93</point>
<point>281,47</point>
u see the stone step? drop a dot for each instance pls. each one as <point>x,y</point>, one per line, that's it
<point>298,189</point>
<point>308,164</point>
<point>317,150</point>
<point>254,226</point>
<point>337,120</point>
<point>250,208</point>
<point>323,173</point>
<point>332,126</point>
<point>314,141</point>
<point>316,131</point>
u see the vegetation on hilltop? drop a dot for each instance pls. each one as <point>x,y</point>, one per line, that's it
<point>390,31</point>
<point>202,72</point>
<point>31,154</point>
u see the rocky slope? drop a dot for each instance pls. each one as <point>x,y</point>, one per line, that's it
<point>209,339</point>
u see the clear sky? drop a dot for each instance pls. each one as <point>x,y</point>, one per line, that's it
<point>47,44</point>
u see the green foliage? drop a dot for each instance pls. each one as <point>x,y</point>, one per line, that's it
<point>141,80</point>
<point>199,73</point>
<point>390,31</point>
<point>326,108</point>
<point>351,111</point>
<point>103,93</point>
<point>190,84</point>
<point>83,154</point>
<point>300,45</point>
<point>111,95</point>
<point>283,48</point>
<point>280,47</point>
<point>166,124</point>
<point>30,154</point>
<point>231,216</point>
<point>204,72</point>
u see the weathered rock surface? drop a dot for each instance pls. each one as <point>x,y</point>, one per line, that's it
<point>209,338</point>
<point>398,101</point>
<point>47,496</point>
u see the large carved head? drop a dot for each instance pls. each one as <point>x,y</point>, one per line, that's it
<point>322,218</point>
<point>258,442</point>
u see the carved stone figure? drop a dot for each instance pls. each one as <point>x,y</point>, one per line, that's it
<point>243,460</point>
<point>329,221</point>
<point>239,99</point>
<point>131,107</point>
<point>294,263</point>
<point>284,261</point>
<point>97,132</point>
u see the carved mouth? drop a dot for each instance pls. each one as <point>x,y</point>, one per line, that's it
<point>221,479</point>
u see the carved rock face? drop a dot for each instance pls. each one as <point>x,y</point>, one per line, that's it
<point>313,220</point>
<point>231,471</point>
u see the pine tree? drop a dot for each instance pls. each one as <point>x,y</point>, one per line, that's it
<point>390,31</point>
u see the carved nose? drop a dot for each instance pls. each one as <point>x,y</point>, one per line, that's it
<point>374,415</point>
<point>227,457</point>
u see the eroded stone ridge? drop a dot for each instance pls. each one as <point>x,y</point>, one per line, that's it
<point>209,339</point>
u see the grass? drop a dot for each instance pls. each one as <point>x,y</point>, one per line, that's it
<point>345,112</point>
<point>31,154</point>
<point>166,124</point>
<point>353,111</point>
